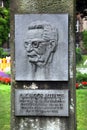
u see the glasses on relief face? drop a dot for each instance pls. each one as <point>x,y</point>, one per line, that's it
<point>36,44</point>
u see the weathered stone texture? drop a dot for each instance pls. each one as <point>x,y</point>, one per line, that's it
<point>43,6</point>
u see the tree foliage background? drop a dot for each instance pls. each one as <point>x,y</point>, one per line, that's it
<point>4,24</point>
<point>84,36</point>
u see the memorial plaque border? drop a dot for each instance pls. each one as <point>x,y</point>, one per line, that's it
<point>42,101</point>
<point>54,70</point>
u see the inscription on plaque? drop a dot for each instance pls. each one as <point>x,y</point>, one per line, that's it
<point>41,103</point>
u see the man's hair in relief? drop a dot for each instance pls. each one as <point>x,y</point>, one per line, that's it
<point>49,31</point>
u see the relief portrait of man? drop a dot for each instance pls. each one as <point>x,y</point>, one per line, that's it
<point>41,47</point>
<point>41,43</point>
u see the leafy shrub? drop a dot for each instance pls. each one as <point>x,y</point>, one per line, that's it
<point>81,77</point>
<point>2,53</point>
<point>84,37</point>
<point>78,55</point>
<point>4,25</point>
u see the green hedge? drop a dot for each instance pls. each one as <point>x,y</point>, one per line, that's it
<point>78,55</point>
<point>81,77</point>
<point>84,37</point>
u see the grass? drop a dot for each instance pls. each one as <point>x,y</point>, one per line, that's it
<point>81,95</point>
<point>4,107</point>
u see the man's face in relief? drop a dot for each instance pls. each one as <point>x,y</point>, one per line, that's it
<point>38,49</point>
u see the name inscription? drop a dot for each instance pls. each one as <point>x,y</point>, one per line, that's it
<point>41,102</point>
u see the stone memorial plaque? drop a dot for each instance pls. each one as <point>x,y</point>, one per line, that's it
<point>41,47</point>
<point>41,102</point>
